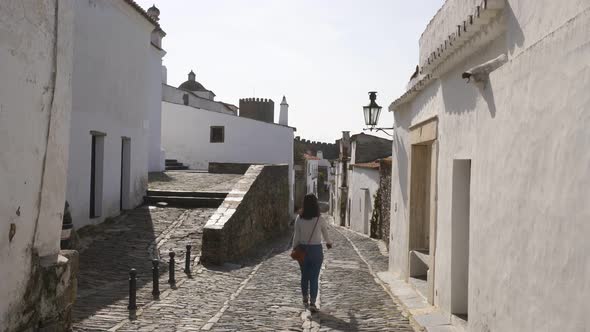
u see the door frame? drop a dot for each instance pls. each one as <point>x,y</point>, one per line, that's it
<point>426,133</point>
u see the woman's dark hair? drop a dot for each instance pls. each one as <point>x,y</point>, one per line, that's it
<point>311,209</point>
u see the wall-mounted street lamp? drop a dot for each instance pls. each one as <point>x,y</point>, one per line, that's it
<point>372,112</point>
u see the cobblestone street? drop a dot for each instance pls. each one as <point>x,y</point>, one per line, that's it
<point>192,180</point>
<point>259,294</point>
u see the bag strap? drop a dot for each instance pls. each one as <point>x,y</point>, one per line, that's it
<point>313,230</point>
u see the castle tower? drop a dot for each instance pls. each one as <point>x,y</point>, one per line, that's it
<point>284,114</point>
<point>258,109</point>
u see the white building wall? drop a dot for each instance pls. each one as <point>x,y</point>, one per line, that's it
<point>155,162</point>
<point>364,183</point>
<point>527,135</point>
<point>311,175</point>
<point>35,110</point>
<point>113,93</point>
<point>186,137</point>
<point>531,181</point>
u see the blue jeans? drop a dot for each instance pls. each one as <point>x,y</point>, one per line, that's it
<point>310,270</point>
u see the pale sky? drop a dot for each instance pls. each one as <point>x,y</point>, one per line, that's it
<point>323,55</point>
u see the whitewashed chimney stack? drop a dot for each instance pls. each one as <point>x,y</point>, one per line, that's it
<point>284,114</point>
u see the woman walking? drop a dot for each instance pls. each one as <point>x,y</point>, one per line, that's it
<point>310,227</point>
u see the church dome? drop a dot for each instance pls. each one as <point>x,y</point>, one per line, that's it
<point>192,84</point>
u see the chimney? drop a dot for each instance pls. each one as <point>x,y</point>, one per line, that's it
<point>320,154</point>
<point>345,145</point>
<point>164,75</point>
<point>284,113</point>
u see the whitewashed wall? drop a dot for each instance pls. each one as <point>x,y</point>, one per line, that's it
<point>34,129</point>
<point>311,174</point>
<point>364,183</point>
<point>531,179</point>
<point>527,135</point>
<point>155,162</point>
<point>113,93</point>
<point>186,137</point>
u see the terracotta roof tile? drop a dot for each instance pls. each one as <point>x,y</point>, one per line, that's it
<point>373,164</point>
<point>310,157</point>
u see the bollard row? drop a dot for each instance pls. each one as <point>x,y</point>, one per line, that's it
<point>156,277</point>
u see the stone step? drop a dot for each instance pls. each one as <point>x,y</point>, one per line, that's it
<point>175,163</point>
<point>176,168</point>
<point>172,160</point>
<point>186,202</point>
<point>211,194</point>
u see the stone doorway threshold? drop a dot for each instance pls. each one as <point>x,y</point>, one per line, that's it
<point>422,313</point>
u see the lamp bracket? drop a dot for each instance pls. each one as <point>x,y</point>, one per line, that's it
<point>380,129</point>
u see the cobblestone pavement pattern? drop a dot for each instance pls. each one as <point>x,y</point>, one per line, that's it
<point>261,294</point>
<point>192,181</point>
<point>130,241</point>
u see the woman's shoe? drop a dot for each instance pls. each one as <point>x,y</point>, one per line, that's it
<point>313,308</point>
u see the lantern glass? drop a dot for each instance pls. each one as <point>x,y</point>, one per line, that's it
<point>367,112</point>
<point>372,111</point>
<point>375,115</point>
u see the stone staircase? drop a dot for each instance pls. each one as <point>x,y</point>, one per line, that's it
<point>174,165</point>
<point>185,199</point>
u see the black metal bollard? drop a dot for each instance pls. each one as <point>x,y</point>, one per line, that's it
<point>132,290</point>
<point>171,279</point>
<point>187,263</point>
<point>156,278</point>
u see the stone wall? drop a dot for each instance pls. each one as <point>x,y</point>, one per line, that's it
<point>260,109</point>
<point>369,148</point>
<point>254,211</point>
<point>385,198</point>
<point>228,168</point>
<point>330,150</point>
<point>50,294</point>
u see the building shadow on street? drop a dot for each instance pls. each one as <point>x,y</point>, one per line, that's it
<point>109,250</point>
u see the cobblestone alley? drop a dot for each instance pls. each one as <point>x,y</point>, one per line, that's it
<point>257,294</point>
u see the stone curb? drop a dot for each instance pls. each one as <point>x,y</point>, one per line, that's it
<point>422,315</point>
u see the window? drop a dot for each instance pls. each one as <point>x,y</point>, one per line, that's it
<point>217,134</point>
<point>185,98</point>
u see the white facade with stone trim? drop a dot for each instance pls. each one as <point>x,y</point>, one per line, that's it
<point>499,166</point>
